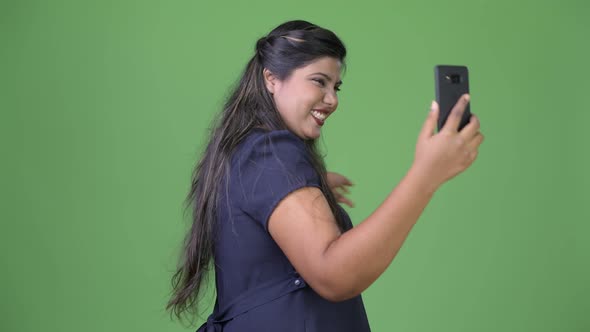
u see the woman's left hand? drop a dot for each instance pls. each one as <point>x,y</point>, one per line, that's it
<point>339,184</point>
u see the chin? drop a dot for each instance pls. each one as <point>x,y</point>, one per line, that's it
<point>312,137</point>
<point>308,134</point>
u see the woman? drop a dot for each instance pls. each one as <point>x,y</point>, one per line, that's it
<point>265,210</point>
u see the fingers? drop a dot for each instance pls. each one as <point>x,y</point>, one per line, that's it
<point>475,142</point>
<point>471,149</point>
<point>340,196</point>
<point>345,200</point>
<point>339,184</point>
<point>471,134</point>
<point>471,129</point>
<point>472,156</point>
<point>345,182</point>
<point>430,124</point>
<point>345,188</point>
<point>452,123</point>
<point>336,180</point>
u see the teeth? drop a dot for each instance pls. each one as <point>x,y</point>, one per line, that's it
<point>319,115</point>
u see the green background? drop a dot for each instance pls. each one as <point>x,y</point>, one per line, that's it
<point>105,106</point>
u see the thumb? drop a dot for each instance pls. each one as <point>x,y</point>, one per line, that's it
<point>430,123</point>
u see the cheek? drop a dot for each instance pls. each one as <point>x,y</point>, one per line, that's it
<point>296,103</point>
<point>309,97</point>
<point>284,104</point>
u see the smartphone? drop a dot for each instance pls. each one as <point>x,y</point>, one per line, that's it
<point>451,82</point>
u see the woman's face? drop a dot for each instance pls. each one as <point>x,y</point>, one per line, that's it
<point>308,96</point>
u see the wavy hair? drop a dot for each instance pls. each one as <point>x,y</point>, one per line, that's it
<point>289,46</point>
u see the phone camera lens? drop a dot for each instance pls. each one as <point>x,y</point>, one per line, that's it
<point>453,78</point>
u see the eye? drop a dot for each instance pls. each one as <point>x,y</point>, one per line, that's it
<point>320,81</point>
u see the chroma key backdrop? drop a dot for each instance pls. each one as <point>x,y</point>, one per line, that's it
<point>105,107</point>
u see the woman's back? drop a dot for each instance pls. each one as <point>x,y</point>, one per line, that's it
<point>255,281</point>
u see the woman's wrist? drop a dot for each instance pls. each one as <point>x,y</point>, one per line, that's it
<point>422,180</point>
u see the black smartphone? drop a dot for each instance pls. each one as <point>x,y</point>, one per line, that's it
<point>451,82</point>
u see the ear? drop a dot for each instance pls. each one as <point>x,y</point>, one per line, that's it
<point>270,80</point>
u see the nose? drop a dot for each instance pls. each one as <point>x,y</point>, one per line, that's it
<point>331,98</point>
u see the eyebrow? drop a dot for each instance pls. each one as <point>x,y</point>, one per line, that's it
<point>327,77</point>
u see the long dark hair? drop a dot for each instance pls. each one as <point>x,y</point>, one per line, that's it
<point>289,46</point>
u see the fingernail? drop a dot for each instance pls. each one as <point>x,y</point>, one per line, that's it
<point>432,106</point>
<point>466,97</point>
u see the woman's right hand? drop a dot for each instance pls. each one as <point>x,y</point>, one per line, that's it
<point>443,155</point>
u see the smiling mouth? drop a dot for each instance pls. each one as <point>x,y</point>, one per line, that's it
<point>319,117</point>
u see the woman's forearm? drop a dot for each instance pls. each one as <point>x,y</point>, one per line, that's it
<point>358,257</point>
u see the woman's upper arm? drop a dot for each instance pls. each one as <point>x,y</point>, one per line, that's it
<point>303,226</point>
